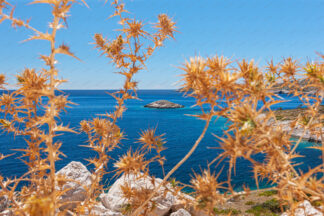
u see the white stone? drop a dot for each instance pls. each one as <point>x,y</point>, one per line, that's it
<point>7,213</point>
<point>100,210</point>
<point>181,200</point>
<point>305,209</point>
<point>186,201</point>
<point>181,212</point>
<point>80,179</point>
<point>115,201</point>
<point>4,202</point>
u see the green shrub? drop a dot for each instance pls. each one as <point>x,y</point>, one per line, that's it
<point>227,211</point>
<point>268,193</point>
<point>270,207</point>
<point>250,203</point>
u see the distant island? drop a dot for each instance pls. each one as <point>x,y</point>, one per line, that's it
<point>163,104</point>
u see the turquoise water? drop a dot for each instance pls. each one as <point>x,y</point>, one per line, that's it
<point>181,132</point>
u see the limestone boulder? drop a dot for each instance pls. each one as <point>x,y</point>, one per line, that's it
<point>4,202</point>
<point>100,210</point>
<point>187,202</point>
<point>305,209</point>
<point>180,212</point>
<point>115,201</point>
<point>78,178</point>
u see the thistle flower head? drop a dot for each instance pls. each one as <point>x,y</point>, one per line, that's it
<point>166,26</point>
<point>150,141</point>
<point>131,163</point>
<point>206,189</point>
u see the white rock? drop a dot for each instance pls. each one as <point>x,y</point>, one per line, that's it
<point>115,201</point>
<point>186,201</point>
<point>100,210</point>
<point>181,212</point>
<point>4,202</point>
<point>80,179</point>
<point>6,213</point>
<point>181,200</point>
<point>305,209</point>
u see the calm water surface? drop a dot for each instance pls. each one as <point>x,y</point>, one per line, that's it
<point>180,130</point>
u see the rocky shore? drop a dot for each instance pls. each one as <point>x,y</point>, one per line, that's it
<point>298,132</point>
<point>112,203</point>
<point>285,118</point>
<point>279,89</point>
<point>166,202</point>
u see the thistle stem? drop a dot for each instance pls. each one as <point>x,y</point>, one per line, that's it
<point>137,211</point>
<point>52,115</point>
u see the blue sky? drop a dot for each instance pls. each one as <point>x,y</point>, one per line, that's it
<point>252,29</point>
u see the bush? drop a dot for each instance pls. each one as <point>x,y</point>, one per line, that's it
<point>229,211</point>
<point>270,207</point>
<point>268,193</point>
<point>250,203</point>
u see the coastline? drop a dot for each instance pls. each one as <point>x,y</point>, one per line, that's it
<point>286,117</point>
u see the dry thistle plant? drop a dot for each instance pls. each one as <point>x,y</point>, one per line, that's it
<point>129,51</point>
<point>32,111</point>
<point>243,93</point>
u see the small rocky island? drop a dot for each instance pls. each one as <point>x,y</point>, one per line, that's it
<point>163,104</point>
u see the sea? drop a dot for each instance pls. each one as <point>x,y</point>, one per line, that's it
<point>180,128</point>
